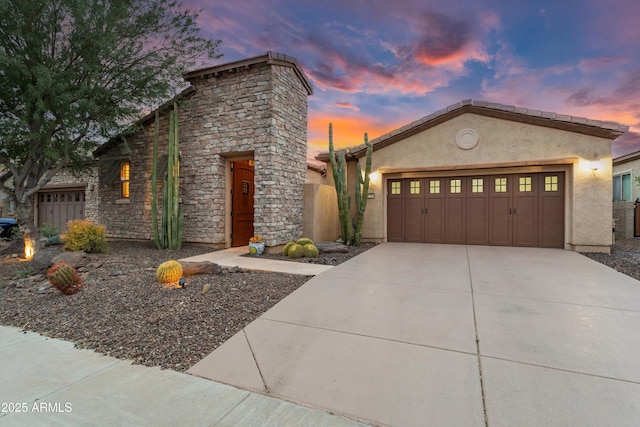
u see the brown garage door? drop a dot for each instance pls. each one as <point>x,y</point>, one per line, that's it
<point>505,210</point>
<point>59,207</point>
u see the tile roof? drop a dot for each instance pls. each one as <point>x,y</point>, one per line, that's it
<point>583,125</point>
<point>268,58</point>
<point>626,158</point>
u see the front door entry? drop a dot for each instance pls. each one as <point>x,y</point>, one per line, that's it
<point>242,202</point>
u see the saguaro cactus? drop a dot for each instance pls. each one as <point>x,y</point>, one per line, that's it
<point>170,233</point>
<point>339,169</point>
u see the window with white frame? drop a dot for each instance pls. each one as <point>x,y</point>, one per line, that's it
<point>622,187</point>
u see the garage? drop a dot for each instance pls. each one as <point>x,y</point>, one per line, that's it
<point>503,210</point>
<point>483,173</point>
<point>60,206</point>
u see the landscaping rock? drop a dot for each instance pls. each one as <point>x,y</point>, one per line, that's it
<point>43,259</point>
<point>332,247</point>
<point>12,247</point>
<point>203,267</point>
<point>76,258</point>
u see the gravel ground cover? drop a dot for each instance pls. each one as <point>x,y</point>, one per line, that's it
<point>624,257</point>
<point>123,312</point>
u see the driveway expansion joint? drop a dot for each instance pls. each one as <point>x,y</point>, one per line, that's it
<point>264,383</point>
<point>370,336</point>
<point>475,328</point>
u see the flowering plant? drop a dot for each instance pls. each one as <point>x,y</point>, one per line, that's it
<point>255,239</point>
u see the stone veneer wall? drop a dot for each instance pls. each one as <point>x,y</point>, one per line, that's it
<point>258,112</point>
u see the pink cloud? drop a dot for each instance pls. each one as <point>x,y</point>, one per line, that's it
<point>348,106</point>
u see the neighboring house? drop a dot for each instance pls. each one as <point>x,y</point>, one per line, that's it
<point>491,174</point>
<point>243,148</point>
<point>625,170</point>
<point>626,191</point>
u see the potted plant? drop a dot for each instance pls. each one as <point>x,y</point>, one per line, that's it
<point>256,245</point>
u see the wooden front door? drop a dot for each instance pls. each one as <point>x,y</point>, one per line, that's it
<point>242,202</point>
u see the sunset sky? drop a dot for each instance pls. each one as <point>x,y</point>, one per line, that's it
<point>378,65</point>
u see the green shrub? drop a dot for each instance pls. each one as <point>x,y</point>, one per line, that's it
<point>285,251</point>
<point>310,250</point>
<point>296,251</point>
<point>48,230</point>
<point>304,241</point>
<point>84,235</point>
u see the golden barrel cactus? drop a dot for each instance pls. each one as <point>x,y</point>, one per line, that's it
<point>169,273</point>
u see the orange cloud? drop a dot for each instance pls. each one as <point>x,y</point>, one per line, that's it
<point>347,131</point>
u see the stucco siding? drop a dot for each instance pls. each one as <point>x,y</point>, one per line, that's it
<point>502,143</point>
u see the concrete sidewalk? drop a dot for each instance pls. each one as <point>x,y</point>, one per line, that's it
<point>47,382</point>
<point>415,334</point>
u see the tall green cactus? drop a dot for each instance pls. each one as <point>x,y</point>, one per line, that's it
<point>170,233</point>
<point>339,169</point>
<point>340,181</point>
<point>362,192</point>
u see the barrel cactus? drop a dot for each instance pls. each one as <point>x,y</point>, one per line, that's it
<point>169,272</point>
<point>65,278</point>
<point>310,250</point>
<point>304,241</point>
<point>296,251</point>
<point>285,251</point>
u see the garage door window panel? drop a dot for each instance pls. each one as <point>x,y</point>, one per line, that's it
<point>434,186</point>
<point>500,185</point>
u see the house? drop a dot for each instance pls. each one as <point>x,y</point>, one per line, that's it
<point>473,173</point>
<point>243,148</point>
<point>491,174</point>
<point>626,191</point>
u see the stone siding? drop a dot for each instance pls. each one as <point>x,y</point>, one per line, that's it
<point>257,112</point>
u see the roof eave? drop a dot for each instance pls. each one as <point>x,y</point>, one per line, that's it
<point>550,120</point>
<point>271,58</point>
<point>143,120</point>
<point>630,157</point>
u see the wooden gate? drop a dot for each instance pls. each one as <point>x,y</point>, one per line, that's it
<point>60,207</point>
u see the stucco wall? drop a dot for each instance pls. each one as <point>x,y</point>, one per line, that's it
<point>521,146</point>
<point>624,215</point>
<point>321,220</point>
<point>259,113</point>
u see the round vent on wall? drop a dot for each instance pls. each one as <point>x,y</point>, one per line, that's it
<point>467,139</point>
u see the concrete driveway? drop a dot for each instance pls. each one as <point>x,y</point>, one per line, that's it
<point>418,334</point>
